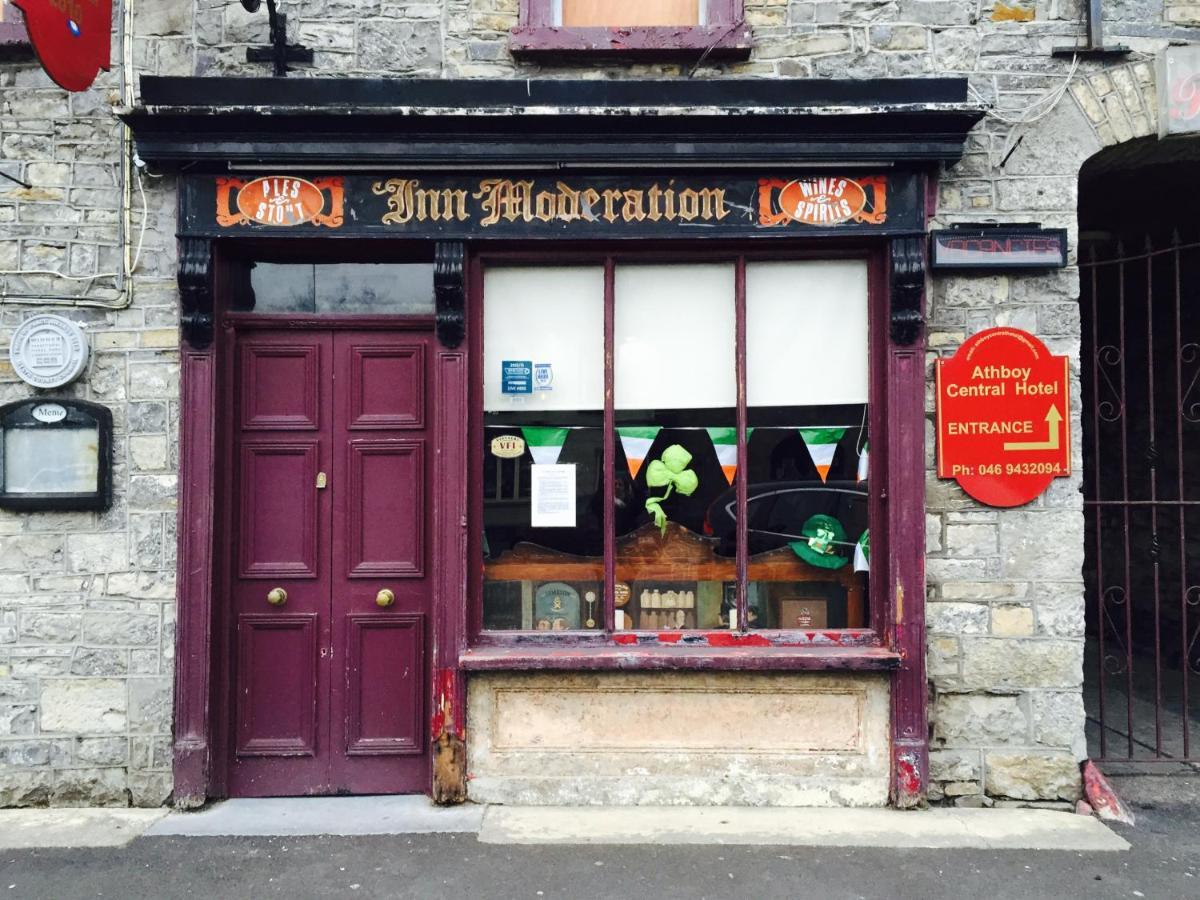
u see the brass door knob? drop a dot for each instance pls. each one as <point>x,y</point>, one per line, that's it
<point>385,598</point>
<point>277,596</point>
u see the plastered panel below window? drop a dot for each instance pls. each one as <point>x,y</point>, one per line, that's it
<point>679,738</point>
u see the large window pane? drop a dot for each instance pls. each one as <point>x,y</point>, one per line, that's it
<point>808,452</point>
<point>543,488</point>
<point>675,389</point>
<point>345,288</point>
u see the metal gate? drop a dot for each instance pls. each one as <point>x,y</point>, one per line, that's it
<point>1140,308</point>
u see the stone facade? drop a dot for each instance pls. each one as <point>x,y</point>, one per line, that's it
<point>86,600</point>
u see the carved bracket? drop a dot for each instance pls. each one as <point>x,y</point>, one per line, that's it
<point>196,291</point>
<point>908,287</point>
<point>450,291</point>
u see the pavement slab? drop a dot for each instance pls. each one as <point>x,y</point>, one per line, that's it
<point>982,829</point>
<point>22,829</point>
<point>321,816</point>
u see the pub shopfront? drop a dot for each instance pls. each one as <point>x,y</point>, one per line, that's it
<point>553,442</point>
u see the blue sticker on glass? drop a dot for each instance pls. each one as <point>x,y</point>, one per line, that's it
<point>516,376</point>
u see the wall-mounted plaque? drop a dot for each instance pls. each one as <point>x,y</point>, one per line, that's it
<point>49,351</point>
<point>55,454</point>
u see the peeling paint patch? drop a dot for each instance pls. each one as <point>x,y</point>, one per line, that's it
<point>1014,11</point>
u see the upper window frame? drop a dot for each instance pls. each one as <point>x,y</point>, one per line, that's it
<point>864,648</point>
<point>725,36</point>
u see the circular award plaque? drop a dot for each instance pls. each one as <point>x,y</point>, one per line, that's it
<point>49,351</point>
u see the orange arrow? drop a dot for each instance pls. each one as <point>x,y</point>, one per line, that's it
<point>1053,418</point>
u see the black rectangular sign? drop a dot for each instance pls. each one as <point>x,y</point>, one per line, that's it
<point>999,248</point>
<point>561,205</point>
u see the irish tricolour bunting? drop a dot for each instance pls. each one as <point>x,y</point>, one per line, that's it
<point>822,444</point>
<point>636,441</point>
<point>545,444</point>
<point>724,441</point>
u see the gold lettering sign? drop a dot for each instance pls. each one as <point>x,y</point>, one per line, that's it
<point>503,200</point>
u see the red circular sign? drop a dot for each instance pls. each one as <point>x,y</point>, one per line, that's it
<point>1002,417</point>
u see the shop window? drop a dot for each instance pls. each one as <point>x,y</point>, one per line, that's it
<point>625,485</point>
<point>339,288</point>
<point>714,28</point>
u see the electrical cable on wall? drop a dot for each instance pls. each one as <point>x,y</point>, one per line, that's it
<point>128,160</point>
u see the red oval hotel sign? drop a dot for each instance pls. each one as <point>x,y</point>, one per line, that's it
<point>1003,408</point>
<point>72,38</point>
<point>278,200</point>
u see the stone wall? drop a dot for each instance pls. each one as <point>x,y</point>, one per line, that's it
<point>86,610</point>
<point>87,599</point>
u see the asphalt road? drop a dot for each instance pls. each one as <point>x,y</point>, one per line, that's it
<point>1164,863</point>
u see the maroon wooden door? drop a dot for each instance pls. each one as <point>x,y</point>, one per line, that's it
<point>330,579</point>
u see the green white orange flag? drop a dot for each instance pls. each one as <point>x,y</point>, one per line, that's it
<point>636,441</point>
<point>545,444</point>
<point>724,441</point>
<point>862,553</point>
<point>822,444</point>
<point>864,461</point>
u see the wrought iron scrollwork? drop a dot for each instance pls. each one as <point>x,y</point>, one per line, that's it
<point>1112,408</point>
<point>1189,404</point>
<point>1114,597</point>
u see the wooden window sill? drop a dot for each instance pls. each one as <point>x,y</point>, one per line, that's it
<point>634,657</point>
<point>652,42</point>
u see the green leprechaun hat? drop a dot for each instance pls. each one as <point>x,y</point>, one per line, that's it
<point>823,543</point>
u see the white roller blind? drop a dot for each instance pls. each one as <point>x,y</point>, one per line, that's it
<point>551,315</point>
<point>806,332</point>
<point>674,336</point>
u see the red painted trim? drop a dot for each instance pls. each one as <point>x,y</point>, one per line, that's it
<point>736,658</point>
<point>726,36</point>
<point>588,641</point>
<point>905,578</point>
<point>193,639</point>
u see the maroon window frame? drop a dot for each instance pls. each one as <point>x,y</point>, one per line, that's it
<point>860,648</point>
<point>726,35</point>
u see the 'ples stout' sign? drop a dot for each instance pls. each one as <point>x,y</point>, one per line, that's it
<point>73,38</point>
<point>1003,403</point>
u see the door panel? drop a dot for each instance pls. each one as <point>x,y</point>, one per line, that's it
<point>384,524</point>
<point>384,684</point>
<point>279,387</point>
<point>277,509</point>
<point>330,680</point>
<point>277,712</point>
<point>375,370</point>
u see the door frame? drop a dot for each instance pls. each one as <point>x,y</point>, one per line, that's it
<point>202,683</point>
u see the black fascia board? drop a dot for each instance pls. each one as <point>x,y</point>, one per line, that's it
<point>213,124</point>
<point>362,93</point>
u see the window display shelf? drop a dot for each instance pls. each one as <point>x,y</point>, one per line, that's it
<point>678,556</point>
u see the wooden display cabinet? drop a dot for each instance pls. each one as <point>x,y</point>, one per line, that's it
<point>677,559</point>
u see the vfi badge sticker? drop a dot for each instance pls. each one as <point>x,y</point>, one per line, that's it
<point>823,200</point>
<point>73,38</point>
<point>281,201</point>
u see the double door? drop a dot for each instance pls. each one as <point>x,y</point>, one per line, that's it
<point>328,561</point>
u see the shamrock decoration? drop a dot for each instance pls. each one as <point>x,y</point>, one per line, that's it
<point>671,472</point>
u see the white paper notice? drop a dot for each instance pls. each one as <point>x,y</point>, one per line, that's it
<point>552,496</point>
